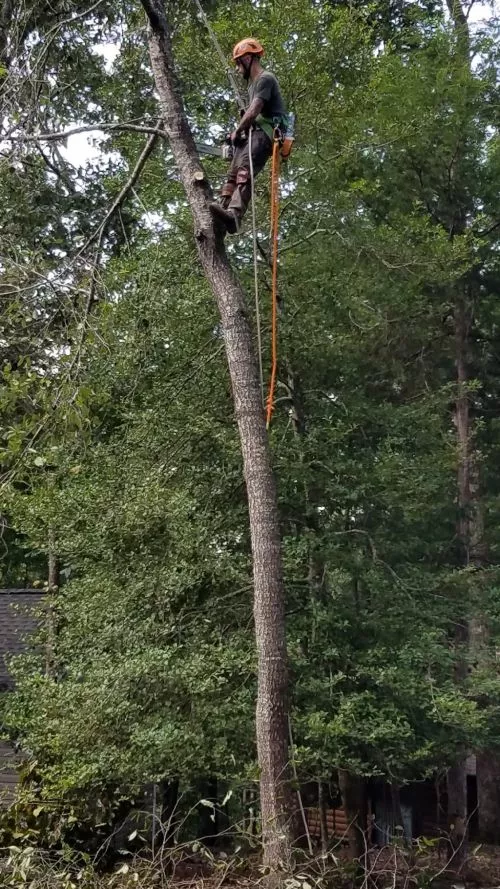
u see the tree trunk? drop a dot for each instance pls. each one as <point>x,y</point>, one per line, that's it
<point>53,571</point>
<point>462,422</point>
<point>457,813</point>
<point>482,657</point>
<point>323,821</point>
<point>269,598</point>
<point>397,812</point>
<point>208,816</point>
<point>168,790</point>
<point>457,774</point>
<point>456,224</point>
<point>488,796</point>
<point>352,788</point>
<point>53,579</point>
<point>487,761</point>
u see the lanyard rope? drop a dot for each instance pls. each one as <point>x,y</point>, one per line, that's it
<point>255,269</point>
<point>275,180</point>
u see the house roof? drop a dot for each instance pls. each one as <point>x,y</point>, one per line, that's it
<point>17,621</point>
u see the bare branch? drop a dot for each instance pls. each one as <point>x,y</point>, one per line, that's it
<point>62,135</point>
<point>129,185</point>
<point>317,231</point>
<point>57,171</point>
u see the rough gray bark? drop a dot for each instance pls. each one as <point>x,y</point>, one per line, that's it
<point>269,596</point>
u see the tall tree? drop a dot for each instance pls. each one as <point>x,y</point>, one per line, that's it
<point>147,504</point>
<point>269,592</point>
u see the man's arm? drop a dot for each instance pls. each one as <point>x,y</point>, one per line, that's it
<point>248,118</point>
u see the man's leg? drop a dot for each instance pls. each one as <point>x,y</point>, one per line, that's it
<point>261,150</point>
<point>229,186</point>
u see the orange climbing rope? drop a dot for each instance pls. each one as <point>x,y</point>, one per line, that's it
<point>275,181</point>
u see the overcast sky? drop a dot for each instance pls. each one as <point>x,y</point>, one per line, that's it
<point>80,148</point>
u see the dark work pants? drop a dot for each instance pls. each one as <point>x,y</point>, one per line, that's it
<point>239,171</point>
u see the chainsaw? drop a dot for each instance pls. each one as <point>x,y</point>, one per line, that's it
<point>226,150</point>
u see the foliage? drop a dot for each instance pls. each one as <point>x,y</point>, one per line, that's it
<point>119,449</point>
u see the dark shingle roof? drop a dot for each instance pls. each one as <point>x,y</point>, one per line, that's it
<point>17,621</point>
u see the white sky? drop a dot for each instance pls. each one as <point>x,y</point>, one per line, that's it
<point>81,147</point>
<point>481,11</point>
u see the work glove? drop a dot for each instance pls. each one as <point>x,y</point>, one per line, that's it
<point>237,138</point>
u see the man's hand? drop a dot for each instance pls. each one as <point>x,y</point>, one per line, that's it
<point>248,118</point>
<point>236,137</point>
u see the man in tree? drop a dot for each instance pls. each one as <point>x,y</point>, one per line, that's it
<point>265,112</point>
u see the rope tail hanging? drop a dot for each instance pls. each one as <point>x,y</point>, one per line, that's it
<point>256,270</point>
<point>275,179</point>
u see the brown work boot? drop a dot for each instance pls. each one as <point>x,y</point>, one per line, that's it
<point>226,194</point>
<point>229,218</point>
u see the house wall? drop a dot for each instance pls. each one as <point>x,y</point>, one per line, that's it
<point>17,620</point>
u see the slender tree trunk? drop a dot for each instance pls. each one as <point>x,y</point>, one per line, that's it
<point>169,798</point>
<point>323,821</point>
<point>249,805</point>
<point>53,569</point>
<point>487,761</point>
<point>397,812</point>
<point>462,421</point>
<point>53,578</point>
<point>208,817</point>
<point>488,796</point>
<point>456,778</point>
<point>457,775</point>
<point>269,598</point>
<point>352,788</point>
<point>457,812</point>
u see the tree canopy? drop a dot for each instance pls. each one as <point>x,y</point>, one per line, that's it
<point>119,447</point>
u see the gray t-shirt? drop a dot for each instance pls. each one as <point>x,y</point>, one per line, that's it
<point>266,87</point>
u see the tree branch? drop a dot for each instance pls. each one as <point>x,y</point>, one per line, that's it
<point>129,185</point>
<point>62,176</point>
<point>65,134</point>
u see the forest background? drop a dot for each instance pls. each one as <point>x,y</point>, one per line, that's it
<point>120,460</point>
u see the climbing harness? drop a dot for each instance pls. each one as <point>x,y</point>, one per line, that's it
<point>287,135</point>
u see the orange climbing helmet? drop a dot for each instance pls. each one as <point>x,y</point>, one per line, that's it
<point>248,45</point>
